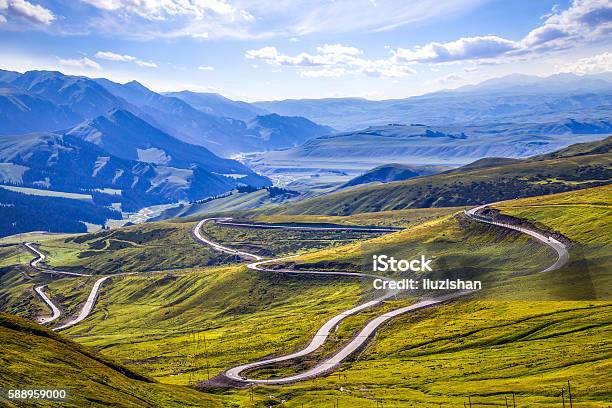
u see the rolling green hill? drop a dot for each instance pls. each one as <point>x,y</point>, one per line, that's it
<point>520,335</point>
<point>393,172</point>
<point>576,167</point>
<point>35,357</point>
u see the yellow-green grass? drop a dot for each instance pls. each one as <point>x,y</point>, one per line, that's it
<point>486,347</point>
<point>493,347</point>
<point>36,358</point>
<point>144,247</point>
<point>279,242</point>
<point>584,216</point>
<point>460,187</point>
<point>398,218</point>
<point>460,249</point>
<point>342,334</point>
<point>153,323</point>
<point>17,293</point>
<point>34,237</point>
<point>13,255</point>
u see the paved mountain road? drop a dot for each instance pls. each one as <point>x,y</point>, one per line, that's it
<point>54,309</point>
<point>328,364</point>
<point>56,313</point>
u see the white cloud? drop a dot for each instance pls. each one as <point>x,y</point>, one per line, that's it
<point>206,68</point>
<point>34,13</point>
<point>146,64</point>
<point>266,53</point>
<point>462,49</point>
<point>2,19</point>
<point>334,60</point>
<point>249,19</point>
<point>591,65</point>
<point>112,56</point>
<point>338,49</point>
<point>80,63</point>
<point>544,34</point>
<point>328,55</point>
<point>164,9</point>
<point>584,21</point>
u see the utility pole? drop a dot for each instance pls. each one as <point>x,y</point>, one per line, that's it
<point>513,400</point>
<point>470,400</point>
<point>563,396</point>
<point>505,396</point>
<point>569,392</point>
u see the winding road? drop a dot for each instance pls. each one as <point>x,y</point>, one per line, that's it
<point>56,313</point>
<point>330,363</point>
<point>321,336</point>
<point>54,309</point>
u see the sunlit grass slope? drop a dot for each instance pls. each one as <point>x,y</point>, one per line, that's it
<point>522,334</point>
<point>143,247</point>
<point>398,218</point>
<point>34,357</point>
<point>154,323</point>
<point>489,347</point>
<point>589,166</point>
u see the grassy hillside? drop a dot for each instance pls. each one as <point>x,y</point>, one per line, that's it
<point>398,218</point>
<point>393,172</point>
<point>472,184</point>
<point>585,216</point>
<point>521,336</point>
<point>158,325</point>
<point>234,202</point>
<point>143,247</point>
<point>34,357</point>
<point>525,333</point>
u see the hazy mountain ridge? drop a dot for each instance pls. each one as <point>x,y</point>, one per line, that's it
<point>503,98</point>
<point>393,172</point>
<point>487,180</point>
<point>223,135</point>
<point>68,163</point>
<point>420,144</point>
<point>44,95</point>
<point>125,135</point>
<point>218,105</point>
<point>22,112</point>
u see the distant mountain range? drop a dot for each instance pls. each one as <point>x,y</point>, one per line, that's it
<point>51,101</point>
<point>486,180</point>
<point>128,147</point>
<point>71,164</point>
<point>218,105</point>
<point>447,145</point>
<point>503,99</point>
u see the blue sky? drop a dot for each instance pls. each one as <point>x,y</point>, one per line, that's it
<point>264,49</point>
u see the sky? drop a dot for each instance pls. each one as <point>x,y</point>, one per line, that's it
<point>266,50</point>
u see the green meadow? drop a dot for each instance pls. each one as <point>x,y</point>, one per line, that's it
<point>186,316</point>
